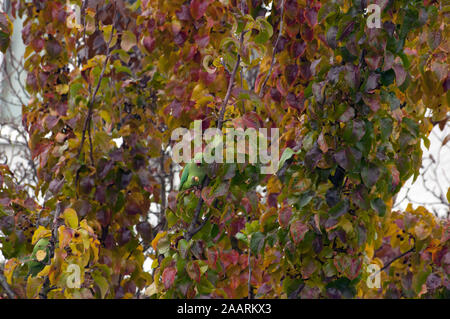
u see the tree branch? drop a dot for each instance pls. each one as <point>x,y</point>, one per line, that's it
<point>4,283</point>
<point>52,242</point>
<point>193,229</point>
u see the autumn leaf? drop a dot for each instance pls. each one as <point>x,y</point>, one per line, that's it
<point>298,231</point>
<point>168,277</point>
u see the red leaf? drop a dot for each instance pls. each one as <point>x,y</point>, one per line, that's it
<point>298,231</point>
<point>198,8</point>
<point>395,177</point>
<point>212,256</point>
<point>53,48</point>
<point>311,17</point>
<point>202,41</point>
<point>284,216</point>
<point>306,33</point>
<point>149,44</point>
<point>400,74</point>
<point>193,271</point>
<point>38,44</point>
<point>183,14</point>
<point>180,38</point>
<point>207,196</point>
<point>298,48</point>
<point>373,60</point>
<point>348,266</point>
<point>230,258</point>
<point>246,204</point>
<point>168,276</point>
<point>373,101</point>
<point>175,107</point>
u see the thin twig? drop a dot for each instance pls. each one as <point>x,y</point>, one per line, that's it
<point>280,31</point>
<point>230,86</point>
<point>250,288</point>
<point>87,122</point>
<point>398,257</point>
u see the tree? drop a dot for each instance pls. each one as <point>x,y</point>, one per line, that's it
<point>352,104</point>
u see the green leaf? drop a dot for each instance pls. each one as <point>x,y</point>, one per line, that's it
<point>287,154</point>
<point>379,206</point>
<point>102,284</point>
<point>241,236</point>
<point>183,248</point>
<point>257,243</point>
<point>304,199</point>
<point>391,99</point>
<point>387,78</point>
<point>386,128</point>
<point>411,125</point>
<point>339,209</point>
<point>290,285</point>
<point>370,175</point>
<point>420,278</point>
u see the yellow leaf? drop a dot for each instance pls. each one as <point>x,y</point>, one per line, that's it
<point>9,269</point>
<point>151,290</point>
<point>34,286</point>
<point>128,40</point>
<point>369,251</point>
<point>157,238</point>
<point>422,231</point>
<point>274,185</point>
<point>64,236</point>
<point>39,233</point>
<point>207,61</point>
<point>105,116</point>
<point>95,249</point>
<point>62,89</point>
<point>44,271</point>
<point>71,217</point>
<point>40,255</point>
<point>346,225</point>
<point>84,225</point>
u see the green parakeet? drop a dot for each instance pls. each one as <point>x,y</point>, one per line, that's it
<point>39,257</point>
<point>193,173</point>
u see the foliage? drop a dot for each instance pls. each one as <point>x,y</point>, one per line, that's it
<point>352,104</point>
